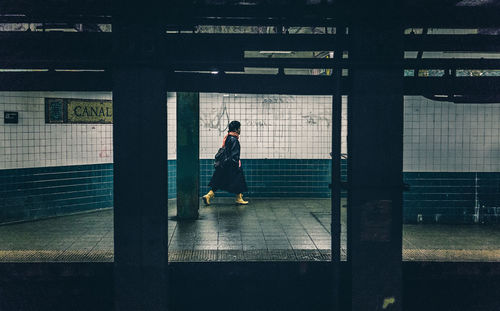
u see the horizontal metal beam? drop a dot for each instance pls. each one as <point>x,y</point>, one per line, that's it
<point>455,63</point>
<point>434,16</point>
<point>185,13</point>
<point>246,83</point>
<point>476,43</point>
<point>235,83</point>
<point>224,51</point>
<point>55,49</point>
<point>241,63</point>
<point>317,85</point>
<point>55,81</point>
<point>243,83</point>
<point>54,10</point>
<point>473,86</point>
<point>184,51</point>
<point>299,42</point>
<point>47,19</point>
<point>414,15</point>
<point>328,63</point>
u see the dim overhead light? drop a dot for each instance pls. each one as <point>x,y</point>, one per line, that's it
<point>214,72</point>
<point>80,70</point>
<point>275,52</point>
<point>23,70</point>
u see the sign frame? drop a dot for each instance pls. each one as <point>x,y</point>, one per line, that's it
<point>71,117</point>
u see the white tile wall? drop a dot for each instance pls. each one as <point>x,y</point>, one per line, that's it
<point>438,136</point>
<point>273,126</point>
<point>32,143</point>
<point>172,125</point>
<point>343,130</point>
<point>448,137</point>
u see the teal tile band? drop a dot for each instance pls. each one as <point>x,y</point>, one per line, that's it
<point>36,193</point>
<point>434,197</point>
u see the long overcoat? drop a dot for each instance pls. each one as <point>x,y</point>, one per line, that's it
<point>231,177</point>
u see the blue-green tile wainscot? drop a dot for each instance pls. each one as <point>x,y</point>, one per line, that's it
<point>35,193</point>
<point>434,197</point>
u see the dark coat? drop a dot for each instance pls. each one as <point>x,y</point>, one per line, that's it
<point>231,177</point>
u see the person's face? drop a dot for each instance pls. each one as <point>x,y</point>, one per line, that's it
<point>238,130</point>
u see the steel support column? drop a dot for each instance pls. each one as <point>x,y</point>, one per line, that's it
<point>335,228</point>
<point>375,148</point>
<point>140,167</point>
<point>188,155</point>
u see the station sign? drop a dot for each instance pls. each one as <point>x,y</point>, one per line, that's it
<point>72,110</point>
<point>90,111</point>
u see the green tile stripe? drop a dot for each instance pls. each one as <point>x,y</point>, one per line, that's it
<point>442,197</point>
<point>36,193</point>
<point>452,197</point>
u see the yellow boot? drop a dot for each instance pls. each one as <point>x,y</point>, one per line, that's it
<point>239,199</point>
<point>207,197</point>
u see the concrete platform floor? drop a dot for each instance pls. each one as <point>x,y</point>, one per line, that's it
<point>264,230</point>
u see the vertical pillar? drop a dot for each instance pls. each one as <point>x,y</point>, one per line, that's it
<point>140,165</point>
<point>335,228</point>
<point>188,155</point>
<point>375,147</point>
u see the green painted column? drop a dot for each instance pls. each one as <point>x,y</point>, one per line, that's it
<point>188,155</point>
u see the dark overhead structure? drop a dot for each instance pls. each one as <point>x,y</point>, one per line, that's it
<point>191,52</point>
<point>375,52</point>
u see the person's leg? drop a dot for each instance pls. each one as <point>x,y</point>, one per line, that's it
<point>241,186</point>
<point>239,199</point>
<point>206,198</point>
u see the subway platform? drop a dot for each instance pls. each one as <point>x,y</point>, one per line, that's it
<point>264,230</point>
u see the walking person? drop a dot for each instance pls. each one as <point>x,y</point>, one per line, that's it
<point>229,176</point>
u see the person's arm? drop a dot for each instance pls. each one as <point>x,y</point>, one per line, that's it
<point>234,152</point>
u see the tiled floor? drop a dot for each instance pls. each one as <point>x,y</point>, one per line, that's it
<point>265,224</point>
<point>295,229</point>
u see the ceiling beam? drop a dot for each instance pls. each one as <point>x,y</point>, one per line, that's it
<point>55,81</point>
<point>474,43</point>
<point>470,87</point>
<point>452,63</point>
<point>247,83</point>
<point>55,9</point>
<point>257,42</point>
<point>56,50</point>
<point>426,63</point>
<point>186,14</point>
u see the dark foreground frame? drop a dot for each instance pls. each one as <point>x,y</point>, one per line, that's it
<point>141,275</point>
<point>245,286</point>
